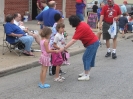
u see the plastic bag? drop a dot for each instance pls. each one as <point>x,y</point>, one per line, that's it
<point>113,29</point>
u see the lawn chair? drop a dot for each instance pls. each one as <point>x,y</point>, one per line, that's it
<point>17,47</point>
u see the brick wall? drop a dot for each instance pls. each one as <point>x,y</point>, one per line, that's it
<point>70,8</point>
<point>59,5</point>
<point>16,6</point>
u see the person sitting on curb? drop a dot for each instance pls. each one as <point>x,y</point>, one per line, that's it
<point>17,21</point>
<point>14,34</point>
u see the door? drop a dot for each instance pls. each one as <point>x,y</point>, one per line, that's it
<point>34,9</point>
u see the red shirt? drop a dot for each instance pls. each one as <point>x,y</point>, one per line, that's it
<point>39,2</point>
<point>110,12</point>
<point>84,33</point>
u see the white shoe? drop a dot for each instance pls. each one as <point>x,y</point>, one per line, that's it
<point>82,74</point>
<point>58,79</point>
<point>85,77</point>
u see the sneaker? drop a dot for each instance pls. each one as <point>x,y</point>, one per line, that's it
<point>44,86</point>
<point>82,74</point>
<point>108,54</point>
<point>85,77</point>
<point>114,56</point>
<point>59,79</point>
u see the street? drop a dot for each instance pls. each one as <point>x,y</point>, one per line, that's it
<point>109,79</point>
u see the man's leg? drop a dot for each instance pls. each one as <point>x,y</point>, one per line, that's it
<point>114,48</point>
<point>36,37</point>
<point>108,48</point>
<point>27,40</point>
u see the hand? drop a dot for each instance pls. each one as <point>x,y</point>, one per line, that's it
<point>62,49</point>
<point>57,51</point>
<point>115,18</point>
<point>100,26</point>
<point>19,35</point>
<point>25,30</point>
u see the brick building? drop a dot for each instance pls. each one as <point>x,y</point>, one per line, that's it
<point>67,7</point>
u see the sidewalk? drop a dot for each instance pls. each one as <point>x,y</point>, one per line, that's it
<point>11,63</point>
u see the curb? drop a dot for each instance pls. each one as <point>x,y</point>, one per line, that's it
<point>32,65</point>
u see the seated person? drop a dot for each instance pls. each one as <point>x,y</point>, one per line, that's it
<point>14,34</point>
<point>17,19</point>
<point>130,24</point>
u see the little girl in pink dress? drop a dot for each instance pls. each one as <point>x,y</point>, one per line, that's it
<point>45,55</point>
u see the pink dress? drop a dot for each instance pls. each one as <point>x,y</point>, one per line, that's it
<point>45,57</point>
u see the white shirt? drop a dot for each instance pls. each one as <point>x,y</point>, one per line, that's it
<point>59,40</point>
<point>15,22</point>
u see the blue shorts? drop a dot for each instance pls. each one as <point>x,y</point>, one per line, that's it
<point>89,56</point>
<point>122,29</point>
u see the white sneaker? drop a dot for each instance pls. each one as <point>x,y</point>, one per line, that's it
<point>82,74</point>
<point>85,77</point>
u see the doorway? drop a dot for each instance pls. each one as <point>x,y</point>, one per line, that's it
<point>34,9</point>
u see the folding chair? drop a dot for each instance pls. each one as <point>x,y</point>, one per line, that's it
<point>17,47</point>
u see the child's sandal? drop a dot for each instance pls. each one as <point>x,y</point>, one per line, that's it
<point>63,78</point>
<point>58,79</point>
<point>43,86</point>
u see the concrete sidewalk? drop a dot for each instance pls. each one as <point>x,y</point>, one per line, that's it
<point>10,62</point>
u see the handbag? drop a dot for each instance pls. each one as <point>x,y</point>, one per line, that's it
<point>113,29</point>
<point>56,59</point>
<point>65,55</point>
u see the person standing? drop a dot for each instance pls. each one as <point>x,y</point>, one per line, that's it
<point>45,56</point>
<point>47,16</point>
<point>123,7</point>
<point>39,6</point>
<point>80,10</point>
<point>98,15</point>
<point>44,4</point>
<point>90,41</point>
<point>95,7</point>
<point>122,23</point>
<point>110,12</point>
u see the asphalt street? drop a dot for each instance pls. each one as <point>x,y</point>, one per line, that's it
<point>109,79</point>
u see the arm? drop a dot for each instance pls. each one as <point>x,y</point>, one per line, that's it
<point>70,43</point>
<point>40,17</point>
<point>38,5</point>
<point>100,22</point>
<point>9,31</point>
<point>55,46</point>
<point>15,35</point>
<point>46,45</point>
